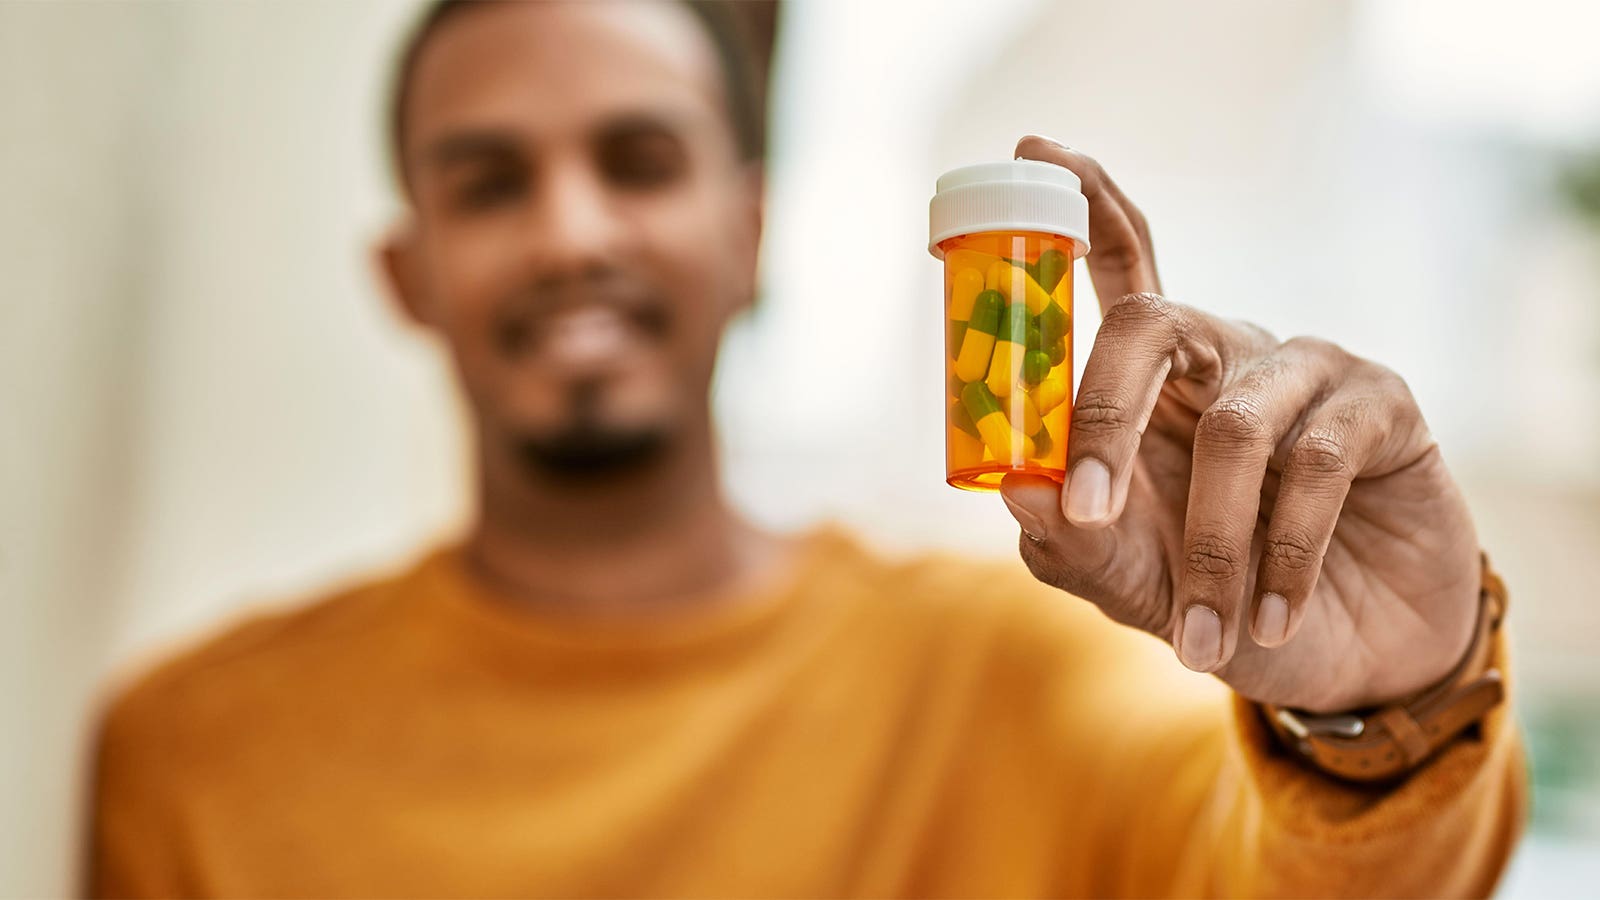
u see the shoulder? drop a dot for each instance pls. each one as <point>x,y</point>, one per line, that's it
<point>239,675</point>
<point>963,598</point>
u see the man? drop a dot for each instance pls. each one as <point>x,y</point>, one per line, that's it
<point>614,685</point>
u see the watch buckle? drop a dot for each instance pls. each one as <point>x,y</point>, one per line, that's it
<point>1304,726</point>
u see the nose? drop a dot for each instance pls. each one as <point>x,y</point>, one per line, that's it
<point>577,229</point>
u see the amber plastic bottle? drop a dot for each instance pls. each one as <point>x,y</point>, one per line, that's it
<point>1008,234</point>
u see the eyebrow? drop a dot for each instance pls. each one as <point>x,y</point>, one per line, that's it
<point>469,146</point>
<point>640,123</point>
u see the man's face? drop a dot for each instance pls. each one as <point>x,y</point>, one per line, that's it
<point>584,226</point>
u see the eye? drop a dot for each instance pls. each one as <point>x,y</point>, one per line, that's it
<point>643,159</point>
<point>489,188</point>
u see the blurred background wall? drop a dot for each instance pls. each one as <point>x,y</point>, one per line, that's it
<point>207,403</point>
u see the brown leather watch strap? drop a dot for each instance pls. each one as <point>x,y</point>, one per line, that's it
<point>1378,744</point>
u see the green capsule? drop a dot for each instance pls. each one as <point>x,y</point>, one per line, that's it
<point>1051,267</point>
<point>1054,323</point>
<point>1014,324</point>
<point>955,385</point>
<point>1035,337</point>
<point>960,418</point>
<point>1041,442</point>
<point>986,312</point>
<point>1057,352</point>
<point>979,400</point>
<point>1035,367</point>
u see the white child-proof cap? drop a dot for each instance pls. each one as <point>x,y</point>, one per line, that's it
<point>1020,195</point>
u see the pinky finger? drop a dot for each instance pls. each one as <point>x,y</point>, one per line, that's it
<point>1332,449</point>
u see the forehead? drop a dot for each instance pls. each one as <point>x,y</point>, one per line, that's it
<point>543,69</point>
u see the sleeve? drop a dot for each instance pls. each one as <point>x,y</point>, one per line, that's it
<point>132,845</point>
<point>1209,804</point>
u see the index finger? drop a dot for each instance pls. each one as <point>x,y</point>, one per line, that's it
<point>1123,259</point>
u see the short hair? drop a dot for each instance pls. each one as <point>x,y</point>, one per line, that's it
<point>742,31</point>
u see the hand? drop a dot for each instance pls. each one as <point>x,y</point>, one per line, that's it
<point>1277,511</point>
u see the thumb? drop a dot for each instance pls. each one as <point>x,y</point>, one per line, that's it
<point>1080,561</point>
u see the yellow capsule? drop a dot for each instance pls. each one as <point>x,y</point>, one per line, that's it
<point>964,289</point>
<point>1050,393</point>
<point>972,363</point>
<point>1006,443</point>
<point>1004,367</point>
<point>1022,404</point>
<point>970,259</point>
<point>1016,284</point>
<point>963,450</point>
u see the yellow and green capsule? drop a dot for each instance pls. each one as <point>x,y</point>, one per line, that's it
<point>962,258</point>
<point>1035,367</point>
<point>977,339</point>
<point>1057,352</point>
<point>1004,442</point>
<point>1005,366</point>
<point>965,287</point>
<point>1017,286</point>
<point>1053,264</point>
<point>1054,323</point>
<point>1041,443</point>
<point>1023,408</point>
<point>1050,393</point>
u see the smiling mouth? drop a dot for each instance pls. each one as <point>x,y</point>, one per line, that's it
<point>579,330</point>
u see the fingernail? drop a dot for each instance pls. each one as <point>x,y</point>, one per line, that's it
<point>1272,620</point>
<point>1089,492</point>
<point>1032,525</point>
<point>1201,644</point>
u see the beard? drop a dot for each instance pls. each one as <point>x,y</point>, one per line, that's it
<point>588,450</point>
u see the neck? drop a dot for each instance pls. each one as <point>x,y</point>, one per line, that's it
<point>646,543</point>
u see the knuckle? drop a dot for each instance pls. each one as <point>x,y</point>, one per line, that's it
<point>1100,412</point>
<point>1210,557</point>
<point>1140,310</point>
<point>1319,454</point>
<point>1233,422</point>
<point>1314,346</point>
<point>1290,554</point>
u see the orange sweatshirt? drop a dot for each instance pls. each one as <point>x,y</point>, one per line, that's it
<point>927,727</point>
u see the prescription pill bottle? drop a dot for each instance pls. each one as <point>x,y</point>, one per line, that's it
<point>1008,233</point>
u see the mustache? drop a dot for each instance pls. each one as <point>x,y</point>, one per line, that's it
<point>525,316</point>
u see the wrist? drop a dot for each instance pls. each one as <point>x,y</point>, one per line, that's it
<point>1384,741</point>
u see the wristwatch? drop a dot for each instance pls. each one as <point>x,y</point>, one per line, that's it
<point>1389,741</point>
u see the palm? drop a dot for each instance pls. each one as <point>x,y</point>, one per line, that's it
<point>1385,584</point>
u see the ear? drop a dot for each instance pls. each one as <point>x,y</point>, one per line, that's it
<point>397,257</point>
<point>750,216</point>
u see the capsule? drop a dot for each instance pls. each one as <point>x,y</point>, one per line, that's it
<point>1004,367</point>
<point>1016,284</point>
<point>1050,393</point>
<point>1041,442</point>
<point>962,258</point>
<point>1035,367</point>
<point>1022,404</point>
<point>964,290</point>
<point>977,340</point>
<point>1052,265</point>
<point>960,418</point>
<point>1002,440</point>
<point>958,333</point>
<point>1054,323</point>
<point>1057,352</point>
